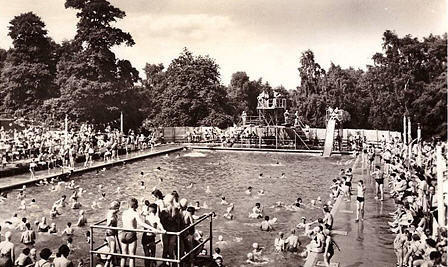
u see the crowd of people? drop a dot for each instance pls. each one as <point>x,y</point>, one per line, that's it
<point>410,175</point>
<point>43,149</point>
<point>412,180</point>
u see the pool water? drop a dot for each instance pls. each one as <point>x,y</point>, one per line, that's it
<point>226,174</point>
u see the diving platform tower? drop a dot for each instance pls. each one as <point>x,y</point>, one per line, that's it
<point>273,127</point>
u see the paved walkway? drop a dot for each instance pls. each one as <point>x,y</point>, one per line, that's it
<point>24,179</point>
<point>368,242</point>
<point>363,243</point>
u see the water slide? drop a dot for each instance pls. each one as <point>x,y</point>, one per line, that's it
<point>329,137</point>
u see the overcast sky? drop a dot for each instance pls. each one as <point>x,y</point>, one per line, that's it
<point>263,38</point>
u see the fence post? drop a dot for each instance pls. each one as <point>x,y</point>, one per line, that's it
<point>178,250</point>
<point>441,168</point>
<point>211,236</point>
<point>92,263</point>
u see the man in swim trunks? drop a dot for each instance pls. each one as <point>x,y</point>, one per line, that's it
<point>128,240</point>
<point>379,182</point>
<point>360,198</point>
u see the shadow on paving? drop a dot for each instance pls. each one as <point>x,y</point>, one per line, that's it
<point>368,242</point>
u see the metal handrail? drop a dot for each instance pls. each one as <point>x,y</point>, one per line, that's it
<point>178,234</point>
<point>195,248</point>
<point>131,230</point>
<point>136,256</point>
<point>301,139</point>
<point>204,217</point>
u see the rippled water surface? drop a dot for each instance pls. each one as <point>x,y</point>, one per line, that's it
<point>225,173</point>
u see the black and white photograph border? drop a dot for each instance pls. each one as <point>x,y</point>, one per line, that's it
<point>223,133</point>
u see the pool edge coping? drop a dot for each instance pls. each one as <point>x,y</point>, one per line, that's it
<point>298,151</point>
<point>99,166</point>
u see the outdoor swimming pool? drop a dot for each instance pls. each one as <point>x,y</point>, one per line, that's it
<point>225,173</point>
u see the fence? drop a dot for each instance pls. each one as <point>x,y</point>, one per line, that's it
<point>179,257</point>
<point>198,134</point>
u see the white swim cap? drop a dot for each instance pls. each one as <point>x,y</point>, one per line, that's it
<point>183,202</point>
<point>168,199</point>
<point>8,235</point>
<point>255,245</point>
<point>220,238</point>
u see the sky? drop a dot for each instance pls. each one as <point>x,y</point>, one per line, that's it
<point>264,38</point>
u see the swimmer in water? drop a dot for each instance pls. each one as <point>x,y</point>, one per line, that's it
<point>224,201</point>
<point>54,212</point>
<point>197,206</point>
<point>249,191</point>
<point>313,204</point>
<point>260,176</point>
<point>257,212</point>
<point>68,230</point>
<point>298,202</point>
<point>76,205</point>
<point>43,226</point>
<point>142,185</point>
<point>103,196</point>
<point>283,176</point>
<point>208,191</point>
<point>22,205</point>
<point>60,203</point>
<point>221,241</point>
<point>53,229</point>
<point>82,219</point>
<point>95,205</point>
<point>228,215</point>
<point>21,195</point>
<point>260,192</point>
<point>74,195</point>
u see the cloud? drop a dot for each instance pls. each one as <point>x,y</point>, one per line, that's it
<point>195,26</point>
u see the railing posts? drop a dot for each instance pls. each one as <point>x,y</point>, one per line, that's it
<point>178,249</point>
<point>92,263</point>
<point>211,236</point>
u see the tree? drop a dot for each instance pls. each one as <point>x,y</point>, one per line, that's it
<point>28,70</point>
<point>243,94</point>
<point>95,85</point>
<point>193,95</point>
<point>310,74</point>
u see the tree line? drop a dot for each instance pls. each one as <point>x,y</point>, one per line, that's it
<point>82,78</point>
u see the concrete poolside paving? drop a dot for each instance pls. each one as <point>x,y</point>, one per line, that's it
<point>18,181</point>
<point>363,243</point>
<point>368,242</point>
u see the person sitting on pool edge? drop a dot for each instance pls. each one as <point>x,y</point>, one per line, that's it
<point>257,212</point>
